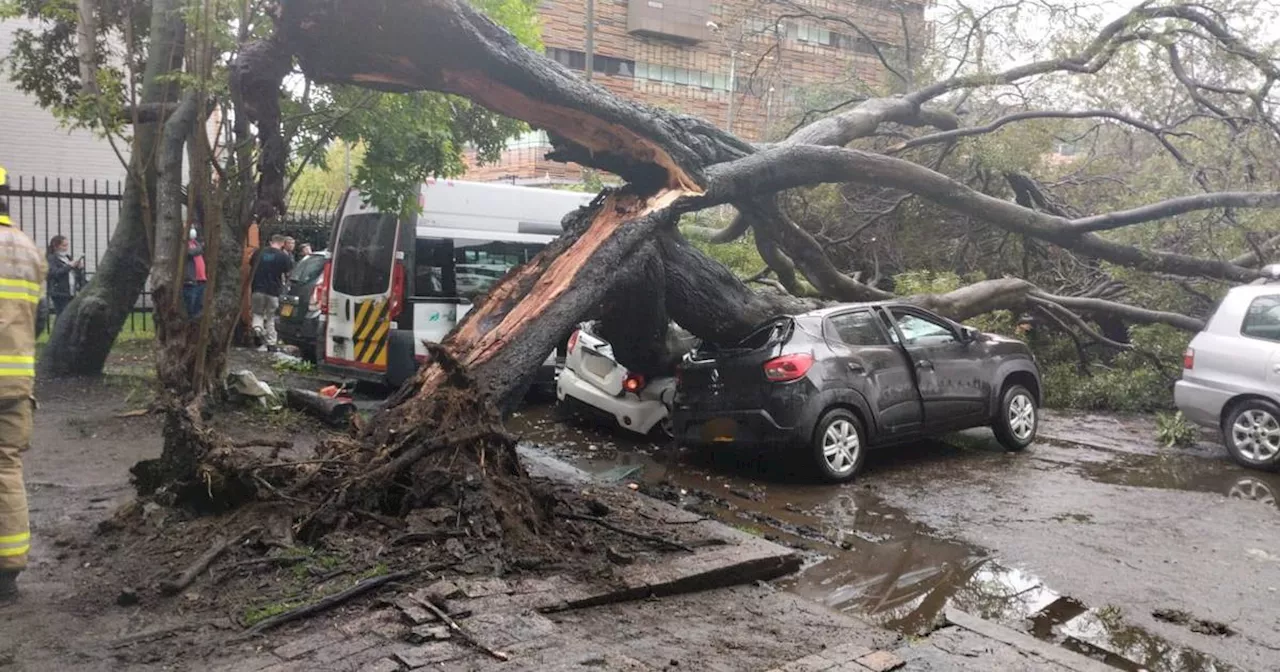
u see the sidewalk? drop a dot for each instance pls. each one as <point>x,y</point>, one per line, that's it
<point>642,618</point>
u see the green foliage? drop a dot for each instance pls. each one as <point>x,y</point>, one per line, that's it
<point>740,256</point>
<point>290,365</point>
<point>1173,430</point>
<point>405,138</point>
<point>1138,380</point>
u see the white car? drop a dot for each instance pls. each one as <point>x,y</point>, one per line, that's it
<point>594,382</point>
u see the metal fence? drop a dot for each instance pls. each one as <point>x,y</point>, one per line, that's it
<point>87,212</point>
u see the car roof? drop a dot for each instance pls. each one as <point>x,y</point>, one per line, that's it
<point>841,307</point>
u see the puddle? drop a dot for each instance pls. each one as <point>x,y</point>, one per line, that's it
<point>869,559</point>
<point>1178,472</point>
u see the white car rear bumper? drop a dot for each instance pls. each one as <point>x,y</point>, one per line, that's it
<point>630,412</point>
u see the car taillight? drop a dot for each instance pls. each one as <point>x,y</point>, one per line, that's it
<point>1189,359</point>
<point>322,288</point>
<point>633,383</point>
<point>573,340</point>
<point>315,298</point>
<point>397,291</point>
<point>787,367</point>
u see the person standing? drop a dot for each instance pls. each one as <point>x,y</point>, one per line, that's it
<point>65,276</point>
<point>304,251</point>
<point>21,271</point>
<point>289,245</point>
<point>268,284</point>
<point>194,276</point>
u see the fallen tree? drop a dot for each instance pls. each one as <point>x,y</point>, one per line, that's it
<point>440,439</point>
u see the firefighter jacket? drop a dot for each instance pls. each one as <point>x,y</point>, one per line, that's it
<point>22,270</point>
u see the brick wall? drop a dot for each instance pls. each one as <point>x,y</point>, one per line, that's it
<point>753,74</point>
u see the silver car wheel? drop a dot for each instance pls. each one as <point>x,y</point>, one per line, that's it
<point>1256,434</point>
<point>840,446</point>
<point>1022,417</point>
<point>1252,489</point>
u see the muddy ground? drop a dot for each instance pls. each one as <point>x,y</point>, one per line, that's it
<point>1095,539</point>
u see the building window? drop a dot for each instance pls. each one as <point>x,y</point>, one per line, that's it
<point>605,65</point>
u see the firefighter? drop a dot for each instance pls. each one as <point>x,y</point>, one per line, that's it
<point>22,271</point>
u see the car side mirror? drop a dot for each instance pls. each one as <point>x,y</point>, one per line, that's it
<point>969,334</point>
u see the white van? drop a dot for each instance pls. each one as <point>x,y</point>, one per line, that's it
<point>394,282</point>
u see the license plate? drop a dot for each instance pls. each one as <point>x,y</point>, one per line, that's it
<point>286,311</point>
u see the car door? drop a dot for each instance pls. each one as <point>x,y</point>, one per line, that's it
<point>868,362</point>
<point>950,373</point>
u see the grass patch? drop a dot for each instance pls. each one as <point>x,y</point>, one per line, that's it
<point>255,615</point>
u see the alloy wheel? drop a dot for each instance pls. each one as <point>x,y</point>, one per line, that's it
<point>840,446</point>
<point>1256,434</point>
<point>1022,417</point>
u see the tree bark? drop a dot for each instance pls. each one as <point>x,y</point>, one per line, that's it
<point>85,331</point>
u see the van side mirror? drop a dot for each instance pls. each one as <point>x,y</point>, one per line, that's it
<point>969,334</point>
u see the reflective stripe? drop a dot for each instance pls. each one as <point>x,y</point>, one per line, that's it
<point>17,369</point>
<point>15,296</point>
<point>15,544</point>
<point>4,219</point>
<point>15,538</point>
<point>11,283</point>
<point>16,359</point>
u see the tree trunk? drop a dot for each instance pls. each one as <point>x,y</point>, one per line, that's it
<point>85,331</point>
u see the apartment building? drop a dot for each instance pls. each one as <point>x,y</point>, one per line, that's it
<point>749,66</point>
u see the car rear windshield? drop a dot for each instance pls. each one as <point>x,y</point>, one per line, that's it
<point>769,334</point>
<point>307,270</point>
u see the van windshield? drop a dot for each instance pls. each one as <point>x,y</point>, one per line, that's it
<point>363,254</point>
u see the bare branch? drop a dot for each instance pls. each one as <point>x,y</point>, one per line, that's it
<point>947,136</point>
<point>1175,206</point>
<point>787,166</point>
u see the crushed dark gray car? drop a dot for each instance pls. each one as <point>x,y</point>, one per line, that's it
<point>839,381</point>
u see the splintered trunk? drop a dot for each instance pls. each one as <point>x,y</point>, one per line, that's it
<point>85,331</point>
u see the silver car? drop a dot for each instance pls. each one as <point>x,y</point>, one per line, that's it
<point>1231,375</point>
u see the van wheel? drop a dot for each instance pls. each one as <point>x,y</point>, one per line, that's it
<point>1016,424</point>
<point>838,446</point>
<point>1253,435</point>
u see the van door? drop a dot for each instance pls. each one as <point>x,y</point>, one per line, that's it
<point>360,291</point>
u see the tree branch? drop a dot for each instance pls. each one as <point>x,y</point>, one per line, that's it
<point>785,167</point>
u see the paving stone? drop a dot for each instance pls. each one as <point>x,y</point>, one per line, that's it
<point>484,588</point>
<point>419,656</point>
<point>385,623</point>
<point>811,663</point>
<point>844,653</point>
<point>308,643</point>
<point>249,664</point>
<point>880,661</point>
<point>383,665</point>
<point>344,649</point>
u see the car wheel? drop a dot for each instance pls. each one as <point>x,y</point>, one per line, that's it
<point>1015,427</point>
<point>1253,435</point>
<point>838,446</point>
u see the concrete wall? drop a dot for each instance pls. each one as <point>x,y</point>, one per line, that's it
<point>41,154</point>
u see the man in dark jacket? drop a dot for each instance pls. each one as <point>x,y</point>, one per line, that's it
<point>269,273</point>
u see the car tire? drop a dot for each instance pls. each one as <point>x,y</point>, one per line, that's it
<point>1018,419</point>
<point>1252,434</point>
<point>839,446</point>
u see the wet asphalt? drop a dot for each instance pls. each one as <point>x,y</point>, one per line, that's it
<point>1095,538</point>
